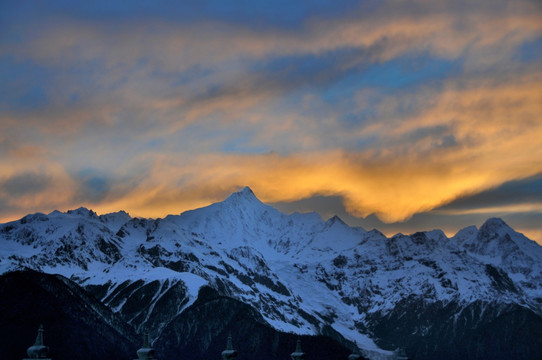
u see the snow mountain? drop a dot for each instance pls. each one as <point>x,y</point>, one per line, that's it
<point>425,293</point>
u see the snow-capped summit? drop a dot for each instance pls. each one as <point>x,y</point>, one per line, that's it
<point>492,228</point>
<point>246,205</point>
<point>498,244</point>
<point>82,211</point>
<point>33,217</point>
<point>464,234</point>
<point>115,220</point>
<point>245,195</point>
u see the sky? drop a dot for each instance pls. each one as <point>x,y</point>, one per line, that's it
<point>396,115</point>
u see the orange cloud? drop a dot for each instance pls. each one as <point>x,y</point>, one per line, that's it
<point>497,129</point>
<point>492,120</point>
<point>496,126</point>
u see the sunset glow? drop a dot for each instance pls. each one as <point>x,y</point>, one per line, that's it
<point>414,114</point>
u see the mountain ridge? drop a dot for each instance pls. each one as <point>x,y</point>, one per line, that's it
<point>303,274</point>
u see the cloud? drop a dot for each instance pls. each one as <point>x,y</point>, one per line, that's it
<point>389,179</point>
<point>25,184</point>
<point>31,191</point>
<point>523,195</point>
<point>163,76</point>
<point>476,150</point>
<point>159,116</point>
<point>115,53</point>
<point>93,186</point>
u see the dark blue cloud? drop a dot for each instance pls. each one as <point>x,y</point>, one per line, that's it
<point>527,190</point>
<point>93,185</point>
<point>344,71</point>
<point>441,136</point>
<point>25,84</point>
<point>18,186</point>
<point>27,183</point>
<point>408,70</point>
<point>531,51</point>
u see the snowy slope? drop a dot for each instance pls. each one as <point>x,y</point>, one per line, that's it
<point>303,274</point>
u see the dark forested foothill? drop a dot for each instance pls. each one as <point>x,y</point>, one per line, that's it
<point>77,326</point>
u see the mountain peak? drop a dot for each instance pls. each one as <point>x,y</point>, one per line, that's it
<point>494,226</point>
<point>82,211</point>
<point>246,191</point>
<point>495,221</point>
<point>244,195</point>
<point>335,220</point>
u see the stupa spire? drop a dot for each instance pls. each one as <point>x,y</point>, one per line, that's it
<point>229,345</point>
<point>146,343</point>
<point>229,353</point>
<point>39,338</point>
<point>38,350</point>
<point>298,354</point>
<point>146,352</point>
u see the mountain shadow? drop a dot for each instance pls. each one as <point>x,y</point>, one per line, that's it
<point>77,326</point>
